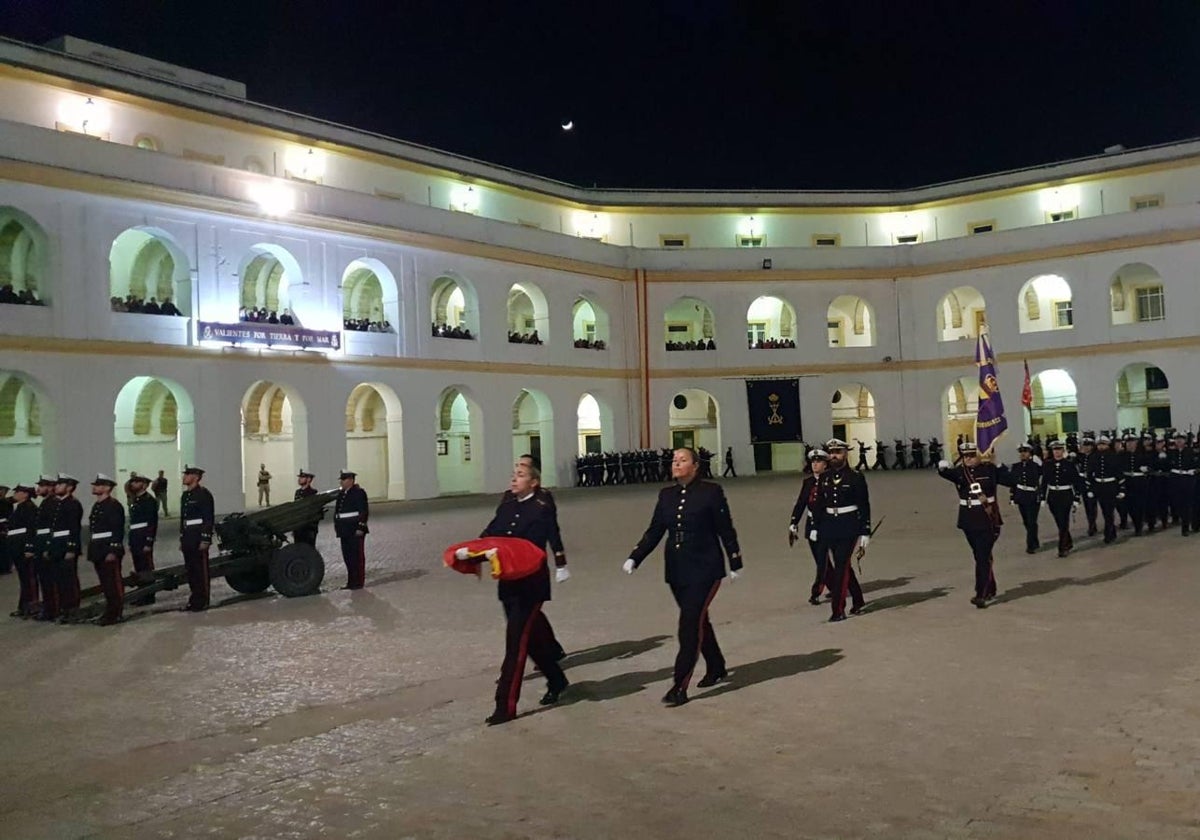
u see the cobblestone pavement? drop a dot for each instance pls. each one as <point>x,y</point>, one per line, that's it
<point>1070,709</point>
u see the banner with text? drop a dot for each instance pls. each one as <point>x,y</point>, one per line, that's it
<point>269,335</point>
<point>774,406</point>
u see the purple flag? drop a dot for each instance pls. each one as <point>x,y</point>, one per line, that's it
<point>990,422</point>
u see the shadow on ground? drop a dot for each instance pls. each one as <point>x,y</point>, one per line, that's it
<point>893,583</point>
<point>905,599</point>
<point>603,653</point>
<point>1044,587</point>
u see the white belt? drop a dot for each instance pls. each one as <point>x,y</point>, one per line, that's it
<point>103,535</point>
<point>1104,480</point>
<point>1135,475</point>
<point>43,531</point>
<point>1183,472</point>
<point>347,515</point>
<point>190,522</point>
<point>841,510</point>
<point>137,525</point>
<point>2,521</point>
<point>1027,487</point>
<point>58,534</point>
<point>975,502</point>
<point>15,531</point>
<point>1060,487</point>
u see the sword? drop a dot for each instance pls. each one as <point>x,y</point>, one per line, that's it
<point>858,555</point>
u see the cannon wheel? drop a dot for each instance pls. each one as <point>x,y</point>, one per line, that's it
<point>249,581</point>
<point>297,569</point>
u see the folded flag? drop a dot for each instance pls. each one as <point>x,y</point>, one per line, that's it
<point>509,558</point>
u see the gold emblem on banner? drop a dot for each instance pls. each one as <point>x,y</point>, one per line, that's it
<point>775,418</point>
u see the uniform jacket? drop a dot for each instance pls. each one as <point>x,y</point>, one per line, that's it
<point>1180,464</point>
<point>1135,464</point>
<point>6,506</point>
<point>22,523</point>
<point>303,493</point>
<point>979,511</point>
<point>837,490</point>
<point>106,529</point>
<point>1062,473</point>
<point>804,503</point>
<point>555,539</point>
<point>196,515</point>
<point>1105,474</point>
<point>68,518</point>
<point>350,512</point>
<point>143,522</point>
<point>697,523</point>
<point>40,541</point>
<point>1026,481</point>
<point>532,519</point>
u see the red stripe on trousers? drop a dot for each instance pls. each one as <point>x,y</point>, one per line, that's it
<point>700,633</point>
<point>514,688</point>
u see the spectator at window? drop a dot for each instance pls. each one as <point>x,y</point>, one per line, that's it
<point>169,308</point>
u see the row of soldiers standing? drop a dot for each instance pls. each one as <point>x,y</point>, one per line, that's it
<point>641,466</point>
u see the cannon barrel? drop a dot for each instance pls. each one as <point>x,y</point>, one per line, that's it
<point>260,529</point>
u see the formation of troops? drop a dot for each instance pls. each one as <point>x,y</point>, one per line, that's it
<point>43,536</point>
<point>640,466</point>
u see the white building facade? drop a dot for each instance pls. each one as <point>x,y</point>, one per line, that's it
<point>114,184</point>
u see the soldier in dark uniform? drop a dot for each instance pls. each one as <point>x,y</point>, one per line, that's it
<point>525,514</point>
<point>143,529</point>
<point>1135,468</point>
<point>818,460</point>
<point>304,489</point>
<point>1181,466</point>
<point>106,547</point>
<point>6,506</point>
<point>1160,477</point>
<point>1106,481</point>
<point>842,524</point>
<point>1122,506</point>
<point>977,483</point>
<point>1027,480</point>
<point>350,526</point>
<point>196,515</point>
<point>696,520</point>
<point>1062,486</point>
<point>66,538</point>
<point>1085,464</point>
<point>39,545</point>
<point>22,525</point>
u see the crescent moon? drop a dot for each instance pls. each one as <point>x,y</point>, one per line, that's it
<point>568,125</point>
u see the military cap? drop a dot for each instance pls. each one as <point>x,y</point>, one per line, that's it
<point>1057,444</point>
<point>23,488</point>
<point>192,469</point>
<point>818,455</point>
<point>3,486</point>
<point>1105,439</point>
<point>47,480</point>
<point>834,443</point>
<point>1087,440</point>
<point>347,474</point>
<point>137,476</point>
<point>305,474</point>
<point>101,478</point>
<point>968,447</point>
<point>1025,447</point>
<point>64,478</point>
<point>1181,435</point>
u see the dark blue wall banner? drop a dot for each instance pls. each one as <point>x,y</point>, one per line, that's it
<point>269,335</point>
<point>774,406</point>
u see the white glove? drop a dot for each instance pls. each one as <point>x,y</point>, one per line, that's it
<point>629,566</point>
<point>864,541</point>
<point>812,535</point>
<point>1091,495</point>
<point>943,464</point>
<point>1143,469</point>
<point>1120,495</point>
<point>1036,460</point>
<point>561,573</point>
<point>462,554</point>
<point>734,575</point>
<point>792,528</point>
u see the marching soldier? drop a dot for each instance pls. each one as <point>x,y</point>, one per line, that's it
<point>1027,478</point>
<point>1062,485</point>
<point>106,547</point>
<point>1084,463</point>
<point>22,524</point>
<point>695,518</point>
<point>6,506</point>
<point>978,514</point>
<point>39,545</point>
<point>1122,506</point>
<point>66,538</point>
<point>1135,468</point>
<point>1181,463</point>
<point>806,504</point>
<point>1160,477</point>
<point>1106,484</point>
<point>143,529</point>
<point>304,489</point>
<point>842,523</point>
<point>196,515</point>
<point>350,525</point>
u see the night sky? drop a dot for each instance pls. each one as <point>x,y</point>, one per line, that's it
<point>694,93</point>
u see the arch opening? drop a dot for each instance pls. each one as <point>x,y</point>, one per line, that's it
<point>454,309</point>
<point>589,325</point>
<point>852,415</point>
<point>148,273</point>
<point>375,441</point>
<point>22,410</point>
<point>269,275</point>
<point>459,443</point>
<point>154,428</point>
<point>1143,398</point>
<point>770,324</point>
<point>694,419</point>
<point>960,314</point>
<point>23,252</point>
<point>533,432</point>
<point>1045,303</point>
<point>850,322</point>
<point>1137,295</point>
<point>960,406</point>
<point>370,297</point>
<point>689,324</point>
<point>528,315</point>
<point>274,438</point>
<point>1055,409</point>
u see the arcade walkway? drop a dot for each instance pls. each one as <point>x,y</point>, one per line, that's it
<point>1071,709</point>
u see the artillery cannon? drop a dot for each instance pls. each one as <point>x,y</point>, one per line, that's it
<point>254,553</point>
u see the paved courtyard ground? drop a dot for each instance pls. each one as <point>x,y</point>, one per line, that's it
<point>1070,709</point>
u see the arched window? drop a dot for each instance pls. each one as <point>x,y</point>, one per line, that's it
<point>688,324</point>
<point>528,315</point>
<point>770,324</point>
<point>146,270</point>
<point>960,314</point>
<point>22,258</point>
<point>1137,295</point>
<point>454,309</point>
<point>370,299</point>
<point>1045,304</point>
<point>268,274</point>
<point>850,322</point>
<point>589,325</point>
